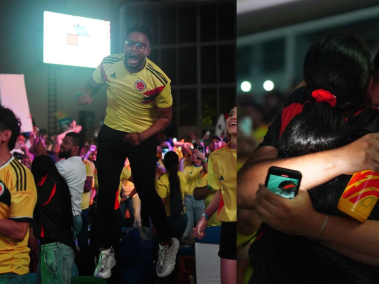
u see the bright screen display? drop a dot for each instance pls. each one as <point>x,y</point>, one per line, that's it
<point>75,41</point>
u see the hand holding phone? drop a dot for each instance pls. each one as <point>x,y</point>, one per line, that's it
<point>284,182</point>
<point>200,149</point>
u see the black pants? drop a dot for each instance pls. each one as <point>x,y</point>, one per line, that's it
<point>111,156</point>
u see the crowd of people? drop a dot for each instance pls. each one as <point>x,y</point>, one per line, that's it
<point>64,200</point>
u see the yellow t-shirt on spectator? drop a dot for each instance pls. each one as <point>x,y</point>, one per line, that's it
<point>18,197</point>
<point>90,172</point>
<point>193,174</point>
<point>222,175</point>
<point>163,189</point>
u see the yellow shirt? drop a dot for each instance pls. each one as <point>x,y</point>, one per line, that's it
<point>193,174</point>
<point>90,172</point>
<point>133,98</point>
<point>222,175</point>
<point>18,197</point>
<point>203,181</point>
<point>163,189</point>
<point>125,175</point>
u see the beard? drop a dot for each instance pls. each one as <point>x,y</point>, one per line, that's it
<point>64,154</point>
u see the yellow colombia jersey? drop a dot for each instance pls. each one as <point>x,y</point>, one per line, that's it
<point>222,174</point>
<point>193,174</point>
<point>203,181</point>
<point>90,172</point>
<point>18,196</point>
<point>163,190</point>
<point>133,98</point>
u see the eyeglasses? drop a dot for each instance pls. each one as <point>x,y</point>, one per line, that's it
<point>140,45</point>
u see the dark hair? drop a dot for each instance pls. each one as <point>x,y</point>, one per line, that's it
<point>340,64</point>
<point>170,141</point>
<point>77,139</point>
<point>317,128</point>
<point>43,165</point>
<point>9,121</point>
<point>171,162</point>
<point>376,62</point>
<point>146,29</point>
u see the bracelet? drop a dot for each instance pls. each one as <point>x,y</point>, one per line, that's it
<point>322,228</point>
<point>205,215</point>
<point>78,95</point>
<point>205,160</point>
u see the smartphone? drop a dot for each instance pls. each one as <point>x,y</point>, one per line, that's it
<point>284,182</point>
<point>201,149</point>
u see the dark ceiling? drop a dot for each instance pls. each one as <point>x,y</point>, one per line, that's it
<point>295,12</point>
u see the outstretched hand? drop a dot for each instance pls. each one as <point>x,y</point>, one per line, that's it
<point>292,216</point>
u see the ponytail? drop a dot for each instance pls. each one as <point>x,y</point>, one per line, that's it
<point>171,162</point>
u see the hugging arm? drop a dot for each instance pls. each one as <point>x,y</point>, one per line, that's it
<point>316,168</point>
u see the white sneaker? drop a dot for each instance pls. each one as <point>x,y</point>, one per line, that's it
<point>166,258</point>
<point>105,264</point>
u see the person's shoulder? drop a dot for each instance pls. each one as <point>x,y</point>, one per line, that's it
<point>156,70</point>
<point>219,151</point>
<point>88,163</point>
<point>299,95</point>
<point>113,58</point>
<point>163,177</point>
<point>22,174</point>
<point>18,168</point>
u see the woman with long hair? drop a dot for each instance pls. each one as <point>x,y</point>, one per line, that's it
<point>171,187</point>
<point>53,223</point>
<point>222,176</point>
<point>337,73</point>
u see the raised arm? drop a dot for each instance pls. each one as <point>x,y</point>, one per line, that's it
<point>316,168</point>
<point>87,91</point>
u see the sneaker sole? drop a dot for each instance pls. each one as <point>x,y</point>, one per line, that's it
<point>106,275</point>
<point>170,268</point>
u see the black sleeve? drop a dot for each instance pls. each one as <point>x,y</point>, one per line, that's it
<point>299,96</point>
<point>272,136</point>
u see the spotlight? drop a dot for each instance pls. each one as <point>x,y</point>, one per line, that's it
<point>246,86</point>
<point>268,85</point>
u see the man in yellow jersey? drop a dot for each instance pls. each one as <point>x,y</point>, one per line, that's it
<point>18,196</point>
<point>139,106</point>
